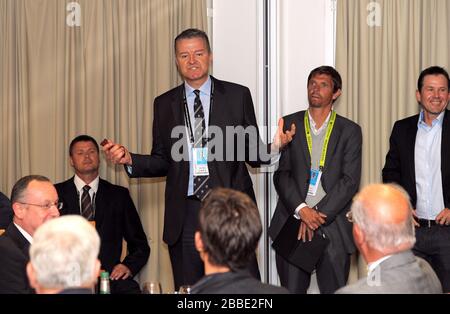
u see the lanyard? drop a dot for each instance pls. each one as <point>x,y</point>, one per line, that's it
<point>325,142</point>
<point>187,120</point>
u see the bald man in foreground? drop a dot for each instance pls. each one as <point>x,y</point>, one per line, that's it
<point>383,230</point>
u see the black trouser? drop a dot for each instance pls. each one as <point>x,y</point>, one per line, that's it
<point>297,280</point>
<point>187,267</point>
<point>433,245</point>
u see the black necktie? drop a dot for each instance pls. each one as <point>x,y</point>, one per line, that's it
<point>86,204</point>
<point>201,186</point>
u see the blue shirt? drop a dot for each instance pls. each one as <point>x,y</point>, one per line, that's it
<point>205,97</point>
<point>427,160</point>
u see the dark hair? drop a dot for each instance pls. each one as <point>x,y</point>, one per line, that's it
<point>192,33</point>
<point>433,70</point>
<point>21,185</point>
<point>335,76</point>
<point>230,228</point>
<point>83,138</point>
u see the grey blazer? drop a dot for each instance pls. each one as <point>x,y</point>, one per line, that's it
<point>340,180</point>
<point>401,273</point>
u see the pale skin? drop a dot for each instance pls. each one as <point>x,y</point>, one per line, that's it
<point>86,162</point>
<point>193,60</point>
<point>320,97</point>
<point>28,213</point>
<point>385,205</point>
<point>209,267</point>
<point>434,98</point>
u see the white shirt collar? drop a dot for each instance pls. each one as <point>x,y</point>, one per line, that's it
<point>24,233</point>
<point>371,266</point>
<point>313,123</point>
<point>79,183</point>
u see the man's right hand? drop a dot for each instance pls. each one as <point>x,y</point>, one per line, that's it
<point>312,218</point>
<point>117,153</point>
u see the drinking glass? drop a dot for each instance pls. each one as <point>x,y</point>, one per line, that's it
<point>152,287</point>
<point>185,289</point>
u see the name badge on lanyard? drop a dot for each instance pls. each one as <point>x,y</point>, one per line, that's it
<point>314,182</point>
<point>316,175</point>
<point>200,161</point>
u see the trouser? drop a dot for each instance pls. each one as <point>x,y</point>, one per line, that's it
<point>433,245</point>
<point>297,280</point>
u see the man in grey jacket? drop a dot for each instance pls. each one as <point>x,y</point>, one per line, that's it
<point>383,230</point>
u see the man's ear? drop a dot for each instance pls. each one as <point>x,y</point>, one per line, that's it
<point>32,276</point>
<point>358,235</point>
<point>19,210</point>
<point>337,94</point>
<point>198,242</point>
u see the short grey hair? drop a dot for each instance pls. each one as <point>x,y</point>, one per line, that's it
<point>64,252</point>
<point>384,236</point>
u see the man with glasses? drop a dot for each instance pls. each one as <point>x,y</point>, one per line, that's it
<point>34,201</point>
<point>383,230</point>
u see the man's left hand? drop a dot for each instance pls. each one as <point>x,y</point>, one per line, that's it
<point>444,217</point>
<point>120,271</point>
<point>281,138</point>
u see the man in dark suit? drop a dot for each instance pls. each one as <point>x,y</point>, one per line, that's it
<point>192,148</point>
<point>419,161</point>
<point>229,231</point>
<point>64,257</point>
<point>34,201</point>
<point>113,211</point>
<point>383,230</point>
<point>318,174</point>
<point>6,212</point>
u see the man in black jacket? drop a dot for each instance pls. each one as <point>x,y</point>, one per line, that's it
<point>419,161</point>
<point>5,211</point>
<point>34,201</point>
<point>111,208</point>
<point>229,231</point>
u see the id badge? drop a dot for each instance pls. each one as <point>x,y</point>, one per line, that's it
<point>314,182</point>
<point>200,156</point>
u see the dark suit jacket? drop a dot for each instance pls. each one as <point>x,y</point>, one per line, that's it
<point>232,107</point>
<point>400,167</point>
<point>115,218</point>
<point>401,273</point>
<point>14,257</point>
<point>340,179</point>
<point>240,282</point>
<point>6,212</point>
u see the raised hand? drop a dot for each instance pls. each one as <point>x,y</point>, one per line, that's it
<point>281,138</point>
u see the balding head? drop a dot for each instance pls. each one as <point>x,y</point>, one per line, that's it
<point>383,214</point>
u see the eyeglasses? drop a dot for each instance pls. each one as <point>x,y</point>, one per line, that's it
<point>58,205</point>
<point>349,216</point>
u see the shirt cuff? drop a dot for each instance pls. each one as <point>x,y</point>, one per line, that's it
<point>297,210</point>
<point>129,169</point>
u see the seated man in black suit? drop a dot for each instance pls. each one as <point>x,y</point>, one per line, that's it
<point>229,231</point>
<point>63,257</point>
<point>5,211</point>
<point>34,201</point>
<point>113,211</point>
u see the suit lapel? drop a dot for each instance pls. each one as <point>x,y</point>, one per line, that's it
<point>445,147</point>
<point>303,142</point>
<point>410,142</point>
<point>101,203</point>
<point>334,138</point>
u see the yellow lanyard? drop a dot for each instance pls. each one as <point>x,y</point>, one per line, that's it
<point>326,140</point>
